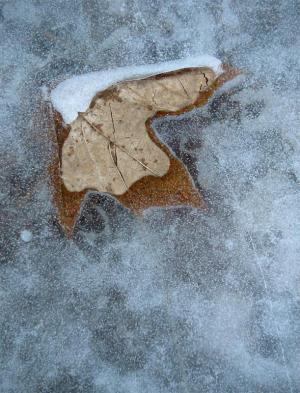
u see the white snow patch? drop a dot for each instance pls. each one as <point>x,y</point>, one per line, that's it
<point>75,94</point>
<point>26,235</point>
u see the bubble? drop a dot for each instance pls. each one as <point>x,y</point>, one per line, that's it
<point>26,235</point>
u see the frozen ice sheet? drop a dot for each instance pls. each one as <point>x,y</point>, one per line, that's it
<point>180,300</point>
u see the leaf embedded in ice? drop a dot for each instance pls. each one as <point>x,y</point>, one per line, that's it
<point>109,148</point>
<point>112,148</point>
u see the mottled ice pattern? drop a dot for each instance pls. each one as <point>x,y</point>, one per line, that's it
<point>182,300</point>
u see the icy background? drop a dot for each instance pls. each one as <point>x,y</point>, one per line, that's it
<point>183,300</point>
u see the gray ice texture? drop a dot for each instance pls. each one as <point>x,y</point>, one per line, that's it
<point>181,300</point>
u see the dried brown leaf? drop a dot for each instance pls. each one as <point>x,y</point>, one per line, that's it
<point>112,148</point>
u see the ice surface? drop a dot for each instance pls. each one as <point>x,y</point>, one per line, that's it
<point>76,93</point>
<point>180,300</point>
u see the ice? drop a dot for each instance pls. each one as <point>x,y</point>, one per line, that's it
<point>179,300</point>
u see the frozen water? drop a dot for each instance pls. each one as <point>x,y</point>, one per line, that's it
<point>181,300</point>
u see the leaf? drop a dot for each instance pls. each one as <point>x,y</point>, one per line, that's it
<point>112,148</point>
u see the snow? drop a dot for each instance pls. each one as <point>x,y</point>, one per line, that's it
<point>26,235</point>
<point>75,94</point>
